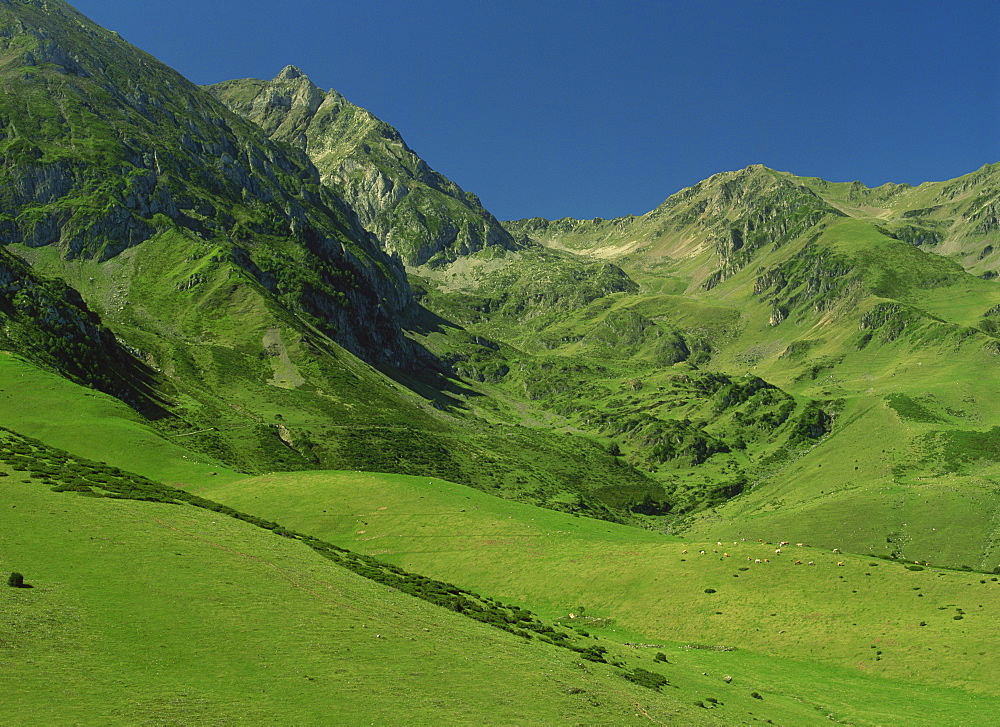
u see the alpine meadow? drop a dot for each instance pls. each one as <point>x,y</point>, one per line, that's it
<point>294,431</point>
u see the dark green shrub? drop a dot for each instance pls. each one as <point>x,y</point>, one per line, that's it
<point>709,590</point>
<point>644,678</point>
<point>15,580</point>
<point>592,653</point>
<point>756,695</point>
<point>660,656</point>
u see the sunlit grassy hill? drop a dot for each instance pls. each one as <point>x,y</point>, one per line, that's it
<point>147,603</point>
<point>779,349</point>
<point>148,612</point>
<point>797,622</point>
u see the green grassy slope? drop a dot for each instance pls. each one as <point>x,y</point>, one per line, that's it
<point>799,629</point>
<point>863,337</point>
<point>46,406</point>
<point>145,612</point>
<point>153,610</point>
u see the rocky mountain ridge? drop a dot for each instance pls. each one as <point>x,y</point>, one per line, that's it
<point>417,213</point>
<point>734,213</point>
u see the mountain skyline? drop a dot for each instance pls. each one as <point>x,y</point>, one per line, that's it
<point>594,112</point>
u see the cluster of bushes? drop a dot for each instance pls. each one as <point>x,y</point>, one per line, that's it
<point>754,407</point>
<point>889,319</point>
<point>646,678</point>
<point>401,450</point>
<point>896,558</point>
<point>66,473</point>
<point>662,440</point>
<point>815,279</point>
<point>513,619</point>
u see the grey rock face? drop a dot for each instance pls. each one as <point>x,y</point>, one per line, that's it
<point>416,213</point>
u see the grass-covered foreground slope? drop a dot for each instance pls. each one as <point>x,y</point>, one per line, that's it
<point>145,612</point>
<point>146,603</point>
<point>869,641</point>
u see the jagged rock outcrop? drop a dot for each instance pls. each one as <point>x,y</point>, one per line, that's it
<point>417,213</point>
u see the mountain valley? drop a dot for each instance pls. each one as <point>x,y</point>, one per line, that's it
<point>735,460</point>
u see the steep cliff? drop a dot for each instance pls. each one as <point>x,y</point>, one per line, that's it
<point>104,149</point>
<point>416,212</point>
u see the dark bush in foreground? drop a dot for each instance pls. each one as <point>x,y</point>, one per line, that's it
<point>15,580</point>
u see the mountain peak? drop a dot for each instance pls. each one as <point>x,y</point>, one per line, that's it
<point>290,73</point>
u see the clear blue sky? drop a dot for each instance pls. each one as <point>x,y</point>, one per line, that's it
<point>594,108</point>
